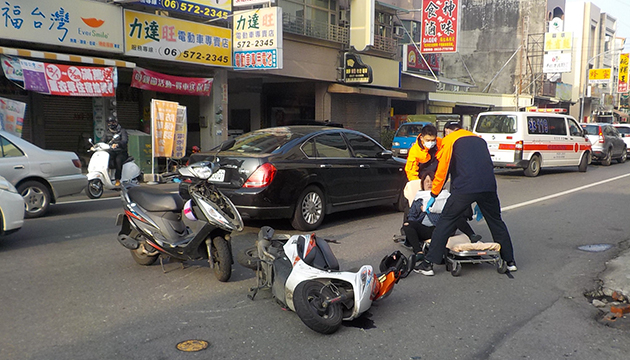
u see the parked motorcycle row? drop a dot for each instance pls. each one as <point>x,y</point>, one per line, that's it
<point>301,270</point>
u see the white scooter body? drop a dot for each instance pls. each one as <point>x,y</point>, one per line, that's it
<point>98,167</point>
<point>362,282</point>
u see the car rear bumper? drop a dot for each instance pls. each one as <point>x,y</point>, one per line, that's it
<point>258,212</point>
<point>68,184</point>
<point>522,164</point>
<point>12,212</point>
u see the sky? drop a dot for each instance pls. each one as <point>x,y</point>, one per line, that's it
<point>619,9</point>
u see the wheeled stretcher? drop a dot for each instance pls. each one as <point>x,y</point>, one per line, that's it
<point>461,250</point>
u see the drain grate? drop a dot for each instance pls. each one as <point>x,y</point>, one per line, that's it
<point>192,345</point>
<point>595,247</point>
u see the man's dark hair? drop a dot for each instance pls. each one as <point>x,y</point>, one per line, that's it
<point>453,125</point>
<point>429,129</point>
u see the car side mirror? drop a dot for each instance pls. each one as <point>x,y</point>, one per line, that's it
<point>385,154</point>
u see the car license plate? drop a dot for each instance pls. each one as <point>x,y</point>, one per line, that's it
<point>493,146</point>
<point>218,176</point>
<point>403,151</point>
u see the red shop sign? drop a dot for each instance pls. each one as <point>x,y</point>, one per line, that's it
<point>154,81</point>
<point>439,26</point>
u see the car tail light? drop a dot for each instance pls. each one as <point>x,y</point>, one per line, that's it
<point>261,177</point>
<point>77,163</point>
<point>519,145</point>
<point>601,136</point>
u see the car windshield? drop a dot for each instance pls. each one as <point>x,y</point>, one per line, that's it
<point>406,130</point>
<point>496,124</point>
<point>591,129</point>
<point>263,141</point>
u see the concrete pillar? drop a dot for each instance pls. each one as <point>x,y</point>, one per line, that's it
<point>213,112</point>
<point>323,103</point>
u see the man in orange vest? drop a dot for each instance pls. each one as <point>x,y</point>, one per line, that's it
<point>422,154</point>
<point>465,157</point>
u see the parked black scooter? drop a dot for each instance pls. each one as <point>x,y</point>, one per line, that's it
<point>152,223</point>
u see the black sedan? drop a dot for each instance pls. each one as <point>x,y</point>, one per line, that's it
<point>304,172</point>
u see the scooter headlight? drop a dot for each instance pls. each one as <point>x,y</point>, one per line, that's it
<point>215,215</point>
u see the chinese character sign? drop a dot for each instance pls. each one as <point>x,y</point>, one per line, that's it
<point>439,26</point>
<point>74,23</point>
<point>414,61</point>
<point>209,9</point>
<point>557,62</point>
<point>258,38</point>
<point>558,41</point>
<point>599,76</point>
<point>154,81</point>
<point>622,84</point>
<point>158,37</point>
<point>12,116</point>
<point>181,130</point>
<point>163,123</point>
<point>67,80</point>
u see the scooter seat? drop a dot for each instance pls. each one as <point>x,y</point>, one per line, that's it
<point>129,159</point>
<point>155,200</point>
<point>321,256</point>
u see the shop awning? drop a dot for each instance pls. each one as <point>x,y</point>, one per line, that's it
<point>65,57</point>
<point>344,89</point>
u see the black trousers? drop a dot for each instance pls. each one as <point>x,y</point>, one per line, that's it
<point>416,232</point>
<point>118,159</point>
<point>455,206</point>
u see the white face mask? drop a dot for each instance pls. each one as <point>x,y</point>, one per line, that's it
<point>429,144</point>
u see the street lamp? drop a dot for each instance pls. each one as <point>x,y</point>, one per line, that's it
<point>586,78</point>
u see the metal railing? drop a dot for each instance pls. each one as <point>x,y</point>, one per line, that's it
<point>386,44</point>
<point>316,29</point>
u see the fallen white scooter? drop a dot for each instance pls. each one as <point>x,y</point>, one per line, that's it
<point>303,274</point>
<point>100,175</point>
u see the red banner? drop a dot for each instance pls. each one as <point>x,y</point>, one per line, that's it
<point>151,80</point>
<point>68,80</point>
<point>414,61</point>
<point>439,26</point>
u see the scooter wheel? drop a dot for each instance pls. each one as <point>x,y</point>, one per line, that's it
<point>308,299</point>
<point>248,258</point>
<point>94,189</point>
<point>222,259</point>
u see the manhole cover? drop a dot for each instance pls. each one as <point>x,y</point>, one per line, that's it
<point>595,247</point>
<point>192,345</point>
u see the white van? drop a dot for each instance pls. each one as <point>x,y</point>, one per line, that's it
<point>532,140</point>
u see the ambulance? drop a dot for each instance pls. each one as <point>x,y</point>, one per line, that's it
<point>534,139</point>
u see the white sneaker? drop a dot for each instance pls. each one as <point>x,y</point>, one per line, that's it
<point>511,266</point>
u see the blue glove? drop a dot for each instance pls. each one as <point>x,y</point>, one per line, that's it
<point>477,213</point>
<point>429,204</point>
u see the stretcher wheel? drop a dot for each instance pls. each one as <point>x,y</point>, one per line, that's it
<point>448,265</point>
<point>501,266</point>
<point>457,269</point>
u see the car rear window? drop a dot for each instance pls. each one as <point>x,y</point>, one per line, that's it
<point>496,124</point>
<point>409,130</point>
<point>263,141</point>
<point>591,129</point>
<point>623,129</point>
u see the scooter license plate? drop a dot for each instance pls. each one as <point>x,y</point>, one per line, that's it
<point>218,176</point>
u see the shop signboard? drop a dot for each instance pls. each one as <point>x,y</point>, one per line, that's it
<point>155,81</point>
<point>209,9</point>
<point>556,62</point>
<point>163,121</point>
<point>355,71</point>
<point>12,116</point>
<point>68,80</point>
<point>181,130</point>
<point>413,60</point>
<point>439,26</point>
<point>599,76</point>
<point>88,25</point>
<point>12,68</point>
<point>622,83</point>
<point>258,38</point>
<point>558,41</point>
<point>252,2</point>
<point>157,37</point>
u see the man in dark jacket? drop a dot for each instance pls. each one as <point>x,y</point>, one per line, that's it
<point>118,152</point>
<point>465,157</point>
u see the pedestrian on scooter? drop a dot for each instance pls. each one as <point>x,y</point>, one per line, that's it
<point>421,159</point>
<point>118,152</point>
<point>465,157</point>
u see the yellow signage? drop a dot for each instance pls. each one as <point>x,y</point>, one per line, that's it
<point>558,41</point>
<point>157,37</point>
<point>596,76</point>
<point>163,124</point>
<point>622,83</point>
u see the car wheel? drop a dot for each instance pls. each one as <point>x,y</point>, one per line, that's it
<point>607,160</point>
<point>36,198</point>
<point>584,162</point>
<point>402,203</point>
<point>533,168</point>
<point>309,210</point>
<point>624,156</point>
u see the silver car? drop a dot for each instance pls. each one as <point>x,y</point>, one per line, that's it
<point>624,130</point>
<point>40,176</point>
<point>606,143</point>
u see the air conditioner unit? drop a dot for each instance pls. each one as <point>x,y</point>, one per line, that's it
<point>399,31</point>
<point>344,18</point>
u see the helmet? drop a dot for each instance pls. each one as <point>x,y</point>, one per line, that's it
<point>188,211</point>
<point>112,124</point>
<point>196,149</point>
